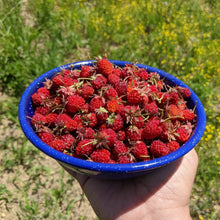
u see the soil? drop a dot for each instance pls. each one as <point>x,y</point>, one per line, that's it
<point>19,177</point>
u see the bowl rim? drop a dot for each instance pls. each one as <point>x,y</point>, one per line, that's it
<point>106,167</point>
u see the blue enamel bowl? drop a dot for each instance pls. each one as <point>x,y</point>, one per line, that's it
<point>108,171</point>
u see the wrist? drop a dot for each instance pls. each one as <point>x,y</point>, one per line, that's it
<point>180,213</point>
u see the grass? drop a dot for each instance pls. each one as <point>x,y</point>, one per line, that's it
<point>180,37</point>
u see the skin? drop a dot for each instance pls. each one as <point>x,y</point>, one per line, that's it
<point>162,194</point>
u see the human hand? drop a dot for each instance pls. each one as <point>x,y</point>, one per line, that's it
<point>162,194</point>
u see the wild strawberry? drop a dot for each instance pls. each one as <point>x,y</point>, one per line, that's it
<point>44,91</point>
<point>158,148</point>
<point>99,82</point>
<point>174,112</point>
<point>100,156</point>
<point>96,103</point>
<point>87,91</point>
<point>174,97</point>
<point>152,129</point>
<point>85,71</point>
<point>58,144</point>
<point>121,88</point>
<point>74,103</point>
<point>112,105</point>
<point>38,120</point>
<point>39,99</point>
<point>133,133</point>
<point>101,114</point>
<point>185,92</point>
<point>188,115</point>
<point>90,119</point>
<point>121,135</point>
<point>43,110</point>
<point>115,122</point>
<point>151,108</point>
<point>46,137</point>
<point>143,74</point>
<point>84,148</point>
<point>104,67</point>
<point>163,98</point>
<point>172,146</point>
<point>89,133</point>
<point>182,135</point>
<point>116,71</point>
<point>110,93</point>
<point>125,158</point>
<point>138,121</point>
<point>119,148</point>
<point>113,79</point>
<point>107,137</point>
<point>78,121</point>
<point>69,140</point>
<point>50,119</point>
<point>65,122</point>
<point>134,97</point>
<point>140,151</point>
<point>60,80</point>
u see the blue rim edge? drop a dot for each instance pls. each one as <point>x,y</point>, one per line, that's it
<point>102,167</point>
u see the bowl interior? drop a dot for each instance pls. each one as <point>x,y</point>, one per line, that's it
<point>101,169</point>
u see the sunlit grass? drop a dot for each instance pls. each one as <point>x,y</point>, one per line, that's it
<point>180,37</point>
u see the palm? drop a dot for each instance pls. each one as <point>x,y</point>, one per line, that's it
<point>168,188</point>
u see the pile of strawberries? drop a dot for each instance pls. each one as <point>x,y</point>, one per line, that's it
<point>108,114</point>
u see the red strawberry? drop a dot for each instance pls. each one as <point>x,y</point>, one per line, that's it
<point>46,137</point>
<point>151,108</point>
<point>140,151</point>
<point>107,137</point>
<point>116,71</point>
<point>152,129</point>
<point>104,67</point>
<point>112,105</point>
<point>58,144</point>
<point>158,148</point>
<point>64,121</point>
<point>174,97</point>
<point>102,114</point>
<point>138,121</point>
<point>39,99</point>
<point>119,148</point>
<point>90,119</point>
<point>96,103</point>
<point>110,93</point>
<point>43,110</point>
<point>125,158</point>
<point>99,82</point>
<point>173,145</point>
<point>38,121</point>
<point>121,135</point>
<point>100,156</point>
<point>143,74</point>
<point>69,140</point>
<point>44,91</point>
<point>74,103</point>
<point>134,97</point>
<point>86,71</point>
<point>89,133</point>
<point>84,148</point>
<point>113,79</point>
<point>188,115</point>
<point>87,91</point>
<point>182,135</point>
<point>133,133</point>
<point>185,92</point>
<point>50,119</point>
<point>115,122</point>
<point>121,88</point>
